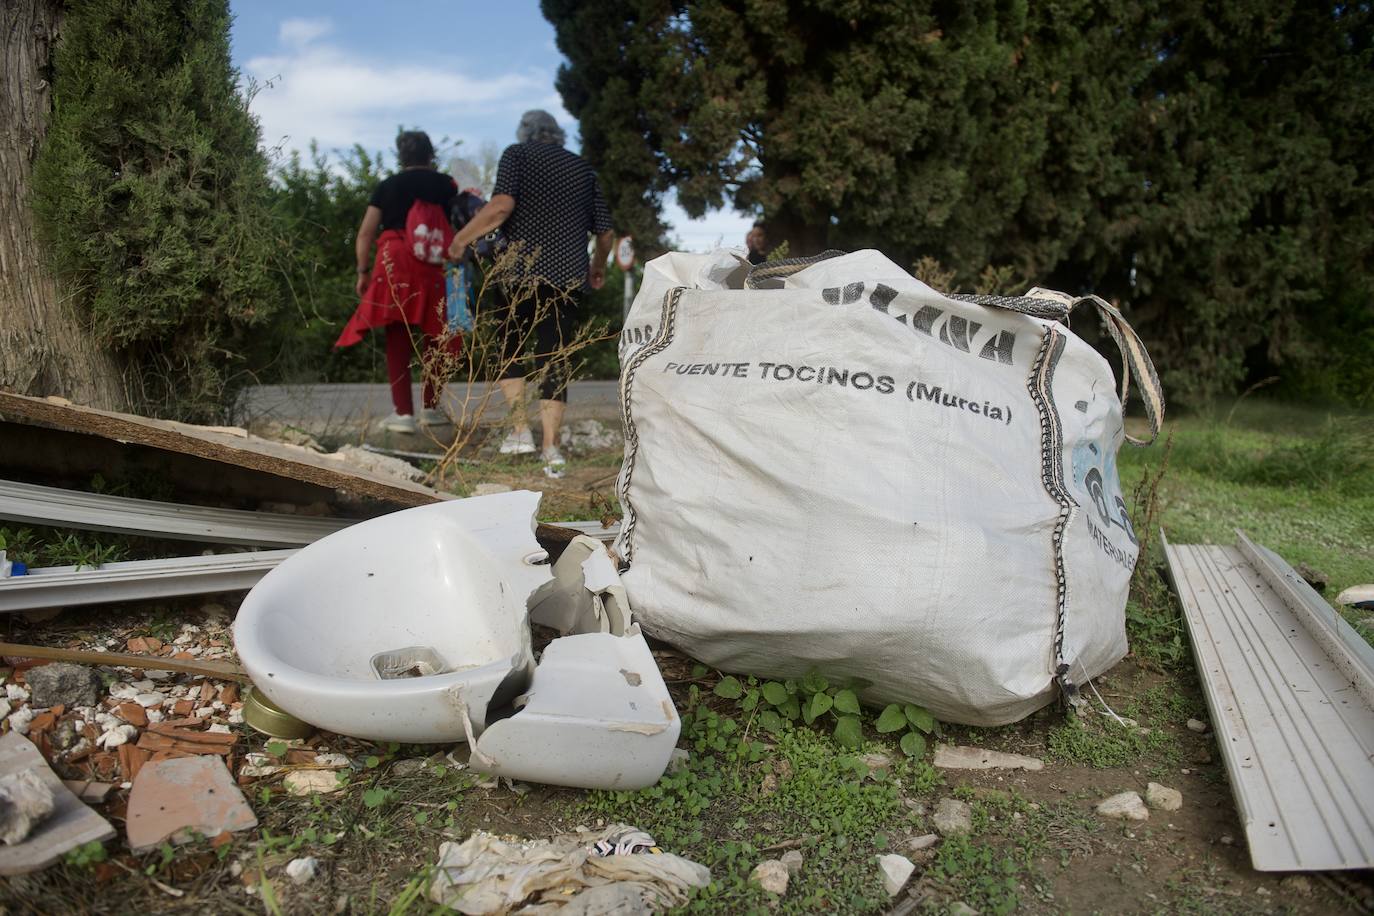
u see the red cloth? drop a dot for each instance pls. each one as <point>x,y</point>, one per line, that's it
<point>402,290</point>
<point>400,349</point>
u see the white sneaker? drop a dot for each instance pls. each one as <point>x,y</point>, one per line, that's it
<point>554,464</point>
<point>399,423</point>
<point>433,416</point>
<point>518,442</point>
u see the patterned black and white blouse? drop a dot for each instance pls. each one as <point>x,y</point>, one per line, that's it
<point>557,202</point>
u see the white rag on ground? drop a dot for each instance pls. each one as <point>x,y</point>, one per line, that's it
<point>486,874</point>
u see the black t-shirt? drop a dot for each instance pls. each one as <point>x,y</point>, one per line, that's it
<point>557,202</point>
<point>396,194</point>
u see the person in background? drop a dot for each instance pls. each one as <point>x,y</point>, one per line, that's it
<point>546,200</point>
<point>397,290</point>
<point>757,242</point>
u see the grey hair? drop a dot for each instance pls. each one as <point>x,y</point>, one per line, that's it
<point>539,127</point>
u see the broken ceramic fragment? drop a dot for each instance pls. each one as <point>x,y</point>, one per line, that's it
<point>178,798</point>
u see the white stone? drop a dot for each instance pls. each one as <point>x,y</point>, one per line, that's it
<point>144,685</point>
<point>122,691</point>
<point>896,872</point>
<point>219,728</point>
<point>19,720</point>
<point>1163,798</point>
<point>793,860</point>
<point>155,715</point>
<point>302,871</point>
<point>16,693</point>
<point>1126,806</point>
<point>960,908</point>
<point>157,675</point>
<point>490,489</point>
<point>953,817</point>
<point>916,844</point>
<point>25,801</point>
<point>236,716</point>
<point>338,761</point>
<point>4,708</point>
<point>204,712</point>
<point>311,782</point>
<point>147,700</point>
<point>114,737</point>
<point>772,876</point>
<point>1197,725</point>
<point>957,757</point>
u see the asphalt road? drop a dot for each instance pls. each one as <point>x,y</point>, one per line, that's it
<point>323,406</point>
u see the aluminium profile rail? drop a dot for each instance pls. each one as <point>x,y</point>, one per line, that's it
<point>136,580</point>
<point>1290,688</point>
<point>37,505</point>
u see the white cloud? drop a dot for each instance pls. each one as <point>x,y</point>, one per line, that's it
<point>299,32</point>
<point>316,90</point>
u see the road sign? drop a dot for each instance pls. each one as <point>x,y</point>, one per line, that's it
<point>625,253</point>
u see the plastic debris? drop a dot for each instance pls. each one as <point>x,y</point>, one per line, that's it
<point>486,874</point>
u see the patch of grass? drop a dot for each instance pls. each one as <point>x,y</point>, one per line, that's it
<point>741,799</point>
<point>1103,743</point>
<point>1298,481</point>
<point>39,547</point>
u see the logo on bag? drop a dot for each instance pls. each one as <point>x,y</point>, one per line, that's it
<point>956,331</point>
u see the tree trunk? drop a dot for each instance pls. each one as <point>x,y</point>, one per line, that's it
<point>45,347</point>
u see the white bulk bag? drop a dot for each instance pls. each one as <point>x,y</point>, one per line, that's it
<point>830,466</point>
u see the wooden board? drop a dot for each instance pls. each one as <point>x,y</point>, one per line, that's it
<point>227,445</point>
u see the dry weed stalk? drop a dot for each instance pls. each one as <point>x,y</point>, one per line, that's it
<point>483,360</point>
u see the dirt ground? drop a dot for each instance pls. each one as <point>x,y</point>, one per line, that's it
<point>1036,845</point>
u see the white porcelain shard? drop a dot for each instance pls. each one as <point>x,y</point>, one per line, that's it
<point>585,594</point>
<point>597,716</point>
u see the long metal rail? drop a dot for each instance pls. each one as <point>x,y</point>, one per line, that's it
<point>37,505</point>
<point>137,580</point>
<point>1290,686</point>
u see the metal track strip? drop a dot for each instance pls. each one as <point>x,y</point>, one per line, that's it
<point>1288,700</point>
<point>137,580</point>
<point>36,505</point>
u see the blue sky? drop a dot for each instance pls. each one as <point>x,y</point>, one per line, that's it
<point>347,72</point>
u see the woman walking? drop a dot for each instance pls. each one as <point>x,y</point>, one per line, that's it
<point>547,200</point>
<point>403,288</point>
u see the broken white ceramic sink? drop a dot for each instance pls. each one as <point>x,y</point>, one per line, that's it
<point>415,627</point>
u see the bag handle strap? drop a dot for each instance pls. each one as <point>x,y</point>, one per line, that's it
<point>1135,361</point>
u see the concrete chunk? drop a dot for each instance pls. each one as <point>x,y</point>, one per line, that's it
<point>958,757</point>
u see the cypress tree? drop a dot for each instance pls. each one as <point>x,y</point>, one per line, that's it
<point>152,193</point>
<point>1204,164</point>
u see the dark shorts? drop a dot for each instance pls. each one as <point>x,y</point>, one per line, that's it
<point>545,320</point>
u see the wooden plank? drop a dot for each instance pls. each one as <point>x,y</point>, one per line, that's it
<point>228,445</point>
<point>1296,734</point>
<point>216,668</point>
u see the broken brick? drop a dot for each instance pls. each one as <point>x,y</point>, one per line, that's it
<point>132,713</point>
<point>183,708</point>
<point>229,694</point>
<point>42,722</point>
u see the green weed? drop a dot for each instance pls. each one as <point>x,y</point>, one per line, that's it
<point>1104,743</point>
<point>746,792</point>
